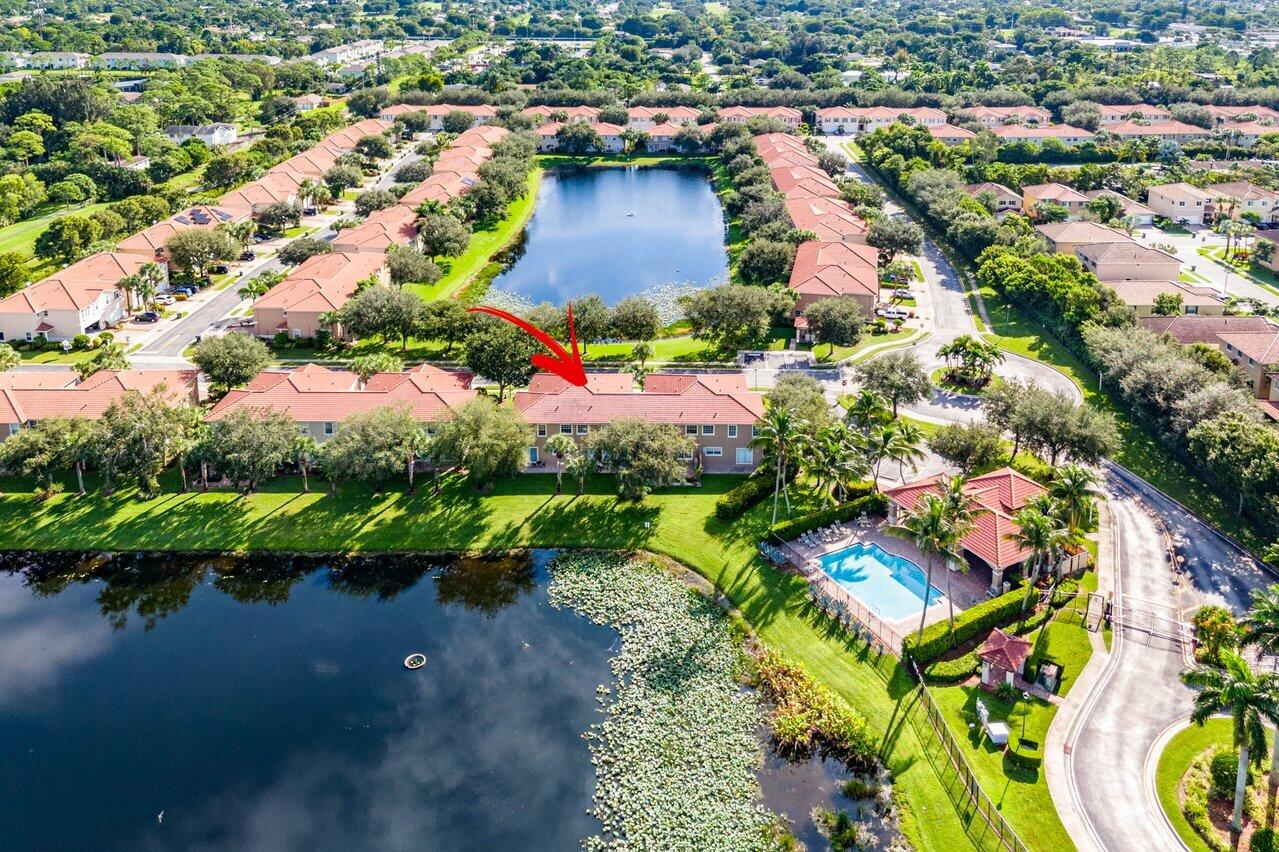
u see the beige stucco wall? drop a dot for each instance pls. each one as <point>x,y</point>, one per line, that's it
<point>726,463</point>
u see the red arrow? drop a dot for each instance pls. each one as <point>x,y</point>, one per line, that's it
<point>566,366</point>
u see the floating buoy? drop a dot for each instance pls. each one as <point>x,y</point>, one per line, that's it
<point>630,214</point>
<point>414,661</point>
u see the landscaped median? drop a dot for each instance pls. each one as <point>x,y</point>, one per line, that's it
<point>525,512</point>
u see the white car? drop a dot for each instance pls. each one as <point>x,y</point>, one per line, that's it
<point>903,293</point>
<point>164,300</point>
<point>892,312</point>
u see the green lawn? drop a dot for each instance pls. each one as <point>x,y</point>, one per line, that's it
<point>870,345</point>
<point>1255,273</point>
<point>1173,763</point>
<point>55,356</point>
<point>1014,780</point>
<point>21,236</point>
<point>485,242</point>
<point>524,512</point>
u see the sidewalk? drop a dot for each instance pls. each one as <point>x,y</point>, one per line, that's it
<point>1056,756</point>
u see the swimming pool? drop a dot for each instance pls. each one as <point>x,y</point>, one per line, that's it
<point>890,586</point>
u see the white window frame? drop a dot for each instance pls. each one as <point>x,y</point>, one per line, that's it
<point>330,428</point>
<point>708,429</point>
<point>749,457</point>
<point>583,429</point>
<point>732,431</point>
<point>690,430</point>
<point>713,452</point>
<point>541,430</point>
<point>566,428</point>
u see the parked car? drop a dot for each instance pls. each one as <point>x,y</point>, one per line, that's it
<point>147,316</point>
<point>220,269</point>
<point>894,313</point>
<point>164,299</point>
<point>309,211</point>
<point>184,290</point>
<point>248,255</point>
<point>903,293</point>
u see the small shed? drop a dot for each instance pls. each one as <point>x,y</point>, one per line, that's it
<point>1003,658</point>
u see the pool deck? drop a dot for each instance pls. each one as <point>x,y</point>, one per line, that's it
<point>966,588</point>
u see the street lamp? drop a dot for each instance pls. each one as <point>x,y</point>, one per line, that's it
<point>1025,696</point>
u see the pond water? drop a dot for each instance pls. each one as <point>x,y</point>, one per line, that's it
<point>619,231</point>
<point>269,707</point>
<point>262,703</point>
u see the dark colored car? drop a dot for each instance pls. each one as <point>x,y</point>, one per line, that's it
<point>148,316</point>
<point>248,255</point>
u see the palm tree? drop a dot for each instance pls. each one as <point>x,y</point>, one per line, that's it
<point>641,352</point>
<point>964,512</point>
<point>931,528</point>
<point>305,451</point>
<point>906,446</point>
<point>1075,487</point>
<point>778,433</point>
<point>825,453</point>
<point>1044,536</point>
<point>561,446</point>
<point>579,466</point>
<point>1261,628</point>
<point>868,407</point>
<point>1234,688</point>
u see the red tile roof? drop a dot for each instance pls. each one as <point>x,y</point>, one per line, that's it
<point>1001,493</point>
<point>1042,131</point>
<point>1005,650</point>
<point>76,287</point>
<point>24,399</point>
<point>677,399</point>
<point>323,282</point>
<point>827,269</point>
<point>745,112</point>
<point>1204,329</point>
<point>584,113</point>
<point>316,394</point>
<point>152,239</point>
<point>1260,346</point>
<point>829,218</point>
<point>393,226</point>
<point>1155,128</point>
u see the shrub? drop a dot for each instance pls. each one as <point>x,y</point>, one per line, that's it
<point>808,714</point>
<point>281,339</point>
<point>869,504</point>
<point>952,671</point>
<point>1265,840</point>
<point>1222,770</point>
<point>938,638</point>
<point>753,491</point>
<point>81,341</point>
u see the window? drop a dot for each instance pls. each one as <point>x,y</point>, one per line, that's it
<point>690,430</point>
<point>566,429</point>
<point>708,430</point>
<point>685,457</point>
<point>713,451</point>
<point>541,430</point>
<point>328,427</point>
<point>582,429</point>
<point>745,455</point>
<point>13,428</point>
<point>754,431</point>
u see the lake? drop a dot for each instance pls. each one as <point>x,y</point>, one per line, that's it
<point>619,231</point>
<point>268,707</point>
<point>204,701</point>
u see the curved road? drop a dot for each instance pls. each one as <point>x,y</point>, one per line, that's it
<point>1111,734</point>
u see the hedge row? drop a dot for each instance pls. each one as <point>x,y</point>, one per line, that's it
<point>952,671</point>
<point>868,504</point>
<point>938,638</point>
<point>754,490</point>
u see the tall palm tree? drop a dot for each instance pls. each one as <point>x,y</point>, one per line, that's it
<point>778,434</point>
<point>1234,688</point>
<point>578,466</point>
<point>1045,536</point>
<point>305,452</point>
<point>1261,628</point>
<point>930,526</point>
<point>1075,487</point>
<point>964,512</point>
<point>906,446</point>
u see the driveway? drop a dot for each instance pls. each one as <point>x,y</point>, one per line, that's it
<point>1219,277</point>
<point>1112,744</point>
